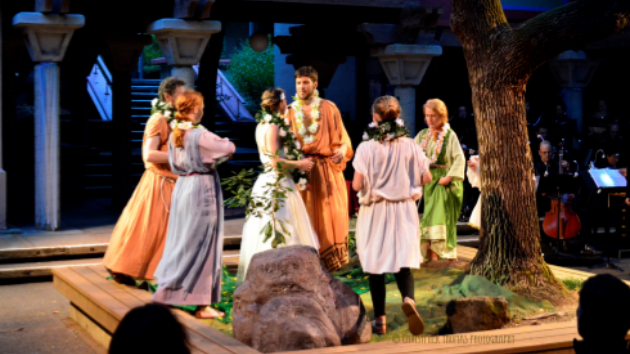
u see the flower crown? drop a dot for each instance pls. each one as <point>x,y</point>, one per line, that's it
<point>386,131</point>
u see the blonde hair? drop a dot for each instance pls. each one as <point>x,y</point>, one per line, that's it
<point>439,107</point>
<point>185,105</point>
<point>387,107</point>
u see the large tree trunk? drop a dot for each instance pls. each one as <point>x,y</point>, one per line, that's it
<point>500,61</point>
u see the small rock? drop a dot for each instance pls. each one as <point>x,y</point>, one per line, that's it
<point>478,313</point>
<point>55,312</point>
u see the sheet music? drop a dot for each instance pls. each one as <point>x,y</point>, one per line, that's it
<point>607,178</point>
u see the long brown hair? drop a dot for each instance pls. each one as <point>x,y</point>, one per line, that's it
<point>185,105</point>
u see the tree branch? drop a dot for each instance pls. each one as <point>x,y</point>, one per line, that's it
<point>567,27</point>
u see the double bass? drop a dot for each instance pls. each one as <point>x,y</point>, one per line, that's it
<point>561,221</point>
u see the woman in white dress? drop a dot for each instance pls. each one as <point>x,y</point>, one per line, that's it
<point>293,212</point>
<point>390,170</point>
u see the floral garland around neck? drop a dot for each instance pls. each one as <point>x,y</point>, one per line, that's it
<point>290,145</point>
<point>438,146</point>
<point>164,108</point>
<point>387,131</point>
<point>307,133</point>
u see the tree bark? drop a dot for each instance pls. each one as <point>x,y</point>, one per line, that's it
<point>500,61</point>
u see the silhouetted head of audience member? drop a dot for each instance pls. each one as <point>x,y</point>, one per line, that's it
<point>604,314</point>
<point>151,328</point>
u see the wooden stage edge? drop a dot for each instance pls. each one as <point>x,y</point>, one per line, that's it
<point>98,305</point>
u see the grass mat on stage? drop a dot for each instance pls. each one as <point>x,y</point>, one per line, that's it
<point>434,288</point>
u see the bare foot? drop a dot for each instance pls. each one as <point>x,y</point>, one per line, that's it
<point>208,312</point>
<point>452,260</point>
<point>432,255</point>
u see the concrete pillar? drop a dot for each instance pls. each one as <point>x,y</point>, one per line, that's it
<point>47,38</point>
<point>186,73</point>
<point>407,98</point>
<point>573,72</point>
<point>405,66</point>
<point>183,43</point>
<point>47,193</point>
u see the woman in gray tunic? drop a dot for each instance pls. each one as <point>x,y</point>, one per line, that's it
<point>189,272</point>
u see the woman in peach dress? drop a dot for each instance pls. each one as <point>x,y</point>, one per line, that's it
<point>136,245</point>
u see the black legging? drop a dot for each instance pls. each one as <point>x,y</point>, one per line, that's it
<point>404,279</point>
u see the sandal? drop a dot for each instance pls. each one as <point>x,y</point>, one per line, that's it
<point>205,313</point>
<point>416,326</point>
<point>379,327</point>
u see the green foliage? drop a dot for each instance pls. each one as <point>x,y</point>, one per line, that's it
<point>572,283</point>
<point>267,203</point>
<point>352,240</point>
<point>251,73</point>
<point>151,51</point>
<point>240,186</point>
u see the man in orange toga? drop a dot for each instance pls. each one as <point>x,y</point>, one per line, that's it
<point>318,126</point>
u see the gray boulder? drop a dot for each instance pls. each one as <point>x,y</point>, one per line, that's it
<point>289,301</point>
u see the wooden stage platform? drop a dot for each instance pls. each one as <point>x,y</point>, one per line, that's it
<point>98,305</point>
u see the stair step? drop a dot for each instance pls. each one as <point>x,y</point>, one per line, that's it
<point>151,88</point>
<point>146,81</point>
<point>44,252</point>
<point>41,269</point>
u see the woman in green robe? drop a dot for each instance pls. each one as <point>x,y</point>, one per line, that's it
<point>443,196</point>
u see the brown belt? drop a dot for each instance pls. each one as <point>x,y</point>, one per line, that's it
<point>433,165</point>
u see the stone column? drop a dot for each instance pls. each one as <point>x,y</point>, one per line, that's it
<point>573,72</point>
<point>47,38</point>
<point>405,66</point>
<point>183,43</point>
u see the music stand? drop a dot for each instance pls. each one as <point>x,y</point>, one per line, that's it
<point>610,180</point>
<point>563,184</point>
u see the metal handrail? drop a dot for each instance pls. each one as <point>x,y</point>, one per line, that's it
<point>94,90</point>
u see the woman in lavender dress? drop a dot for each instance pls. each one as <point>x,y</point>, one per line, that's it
<point>190,270</point>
